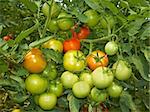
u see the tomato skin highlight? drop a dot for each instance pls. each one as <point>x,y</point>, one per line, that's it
<point>83,33</point>
<point>74,61</point>
<point>34,61</point>
<point>92,62</point>
<point>35,84</point>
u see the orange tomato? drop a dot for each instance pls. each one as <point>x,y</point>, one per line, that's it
<point>96,59</point>
<point>34,61</point>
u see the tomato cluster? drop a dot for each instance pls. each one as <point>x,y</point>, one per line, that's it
<point>97,83</point>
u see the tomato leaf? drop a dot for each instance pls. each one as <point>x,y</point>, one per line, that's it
<point>54,55</point>
<point>146,53</point>
<point>74,103</point>
<point>30,5</point>
<point>126,102</point>
<point>25,33</point>
<point>141,65</point>
<point>3,66</point>
<point>145,35</point>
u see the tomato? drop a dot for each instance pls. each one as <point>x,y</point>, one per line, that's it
<point>55,9</point>
<point>87,77</point>
<point>114,90</point>
<point>68,79</point>
<point>102,77</point>
<point>65,23</point>
<point>36,99</point>
<point>35,84</point>
<point>107,20</point>
<point>122,70</point>
<point>16,110</point>
<point>81,89</point>
<point>74,61</point>
<point>47,101</point>
<point>83,33</point>
<point>53,44</point>
<point>50,71</point>
<point>98,95</point>
<point>7,37</point>
<point>34,61</point>
<point>56,87</point>
<point>111,48</point>
<point>92,17</point>
<point>53,26</point>
<point>71,44</point>
<point>96,59</point>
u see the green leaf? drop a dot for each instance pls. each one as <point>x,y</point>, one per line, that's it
<point>30,5</point>
<point>54,55</point>
<point>142,66</point>
<point>74,103</point>
<point>146,34</point>
<point>25,33</point>
<point>94,5</point>
<point>146,52</point>
<point>126,102</point>
<point>3,66</point>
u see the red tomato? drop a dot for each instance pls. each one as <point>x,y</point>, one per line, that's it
<point>72,44</point>
<point>83,33</point>
<point>7,37</point>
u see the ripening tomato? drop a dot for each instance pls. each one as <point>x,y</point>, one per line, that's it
<point>34,61</point>
<point>54,44</point>
<point>74,61</point>
<point>83,33</point>
<point>7,37</point>
<point>72,43</point>
<point>96,59</point>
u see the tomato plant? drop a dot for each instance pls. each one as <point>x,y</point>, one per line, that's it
<point>47,101</point>
<point>53,44</point>
<point>74,61</point>
<point>102,77</point>
<point>96,59</point>
<point>34,61</point>
<point>81,89</point>
<point>35,84</point>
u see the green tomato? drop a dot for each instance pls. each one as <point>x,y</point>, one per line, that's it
<point>35,84</point>
<point>50,71</point>
<point>53,26</point>
<point>87,77</point>
<point>54,44</point>
<point>68,79</point>
<point>111,48</point>
<point>36,99</point>
<point>55,9</point>
<point>114,90</point>
<point>81,89</point>
<point>92,17</point>
<point>122,70</point>
<point>98,95</point>
<point>102,77</point>
<point>107,20</point>
<point>47,101</point>
<point>56,87</point>
<point>74,61</point>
